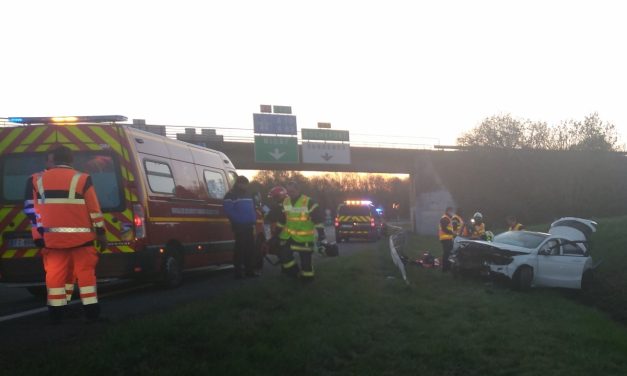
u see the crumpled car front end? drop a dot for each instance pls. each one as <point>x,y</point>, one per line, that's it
<point>483,257</point>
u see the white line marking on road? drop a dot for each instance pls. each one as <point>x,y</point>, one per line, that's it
<point>36,311</point>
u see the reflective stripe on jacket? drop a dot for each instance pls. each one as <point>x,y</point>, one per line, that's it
<point>68,209</point>
<point>298,224</point>
<point>447,232</point>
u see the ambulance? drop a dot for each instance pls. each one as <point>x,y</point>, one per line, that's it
<point>358,219</point>
<point>161,198</point>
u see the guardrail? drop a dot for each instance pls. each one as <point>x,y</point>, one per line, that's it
<point>398,242</point>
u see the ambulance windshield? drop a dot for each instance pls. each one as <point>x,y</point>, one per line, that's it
<point>16,168</point>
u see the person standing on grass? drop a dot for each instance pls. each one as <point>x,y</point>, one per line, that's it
<point>240,209</point>
<point>446,235</point>
<point>302,219</point>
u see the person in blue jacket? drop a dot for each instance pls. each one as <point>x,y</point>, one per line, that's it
<point>240,208</point>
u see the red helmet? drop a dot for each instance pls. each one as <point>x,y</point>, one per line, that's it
<point>278,193</point>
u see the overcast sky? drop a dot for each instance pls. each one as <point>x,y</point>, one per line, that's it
<point>421,69</point>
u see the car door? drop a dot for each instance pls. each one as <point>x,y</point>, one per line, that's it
<point>547,264</point>
<point>572,263</point>
<point>557,268</point>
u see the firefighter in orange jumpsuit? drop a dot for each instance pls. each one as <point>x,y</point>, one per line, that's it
<point>70,221</point>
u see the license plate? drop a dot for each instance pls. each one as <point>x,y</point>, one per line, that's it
<point>21,243</point>
<point>347,226</point>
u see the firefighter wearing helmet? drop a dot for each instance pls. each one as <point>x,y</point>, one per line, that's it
<point>273,210</point>
<point>477,227</point>
<point>301,219</point>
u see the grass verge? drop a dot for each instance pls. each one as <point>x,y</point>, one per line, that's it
<point>357,318</point>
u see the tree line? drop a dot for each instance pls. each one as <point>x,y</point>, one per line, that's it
<point>330,189</point>
<point>507,132</point>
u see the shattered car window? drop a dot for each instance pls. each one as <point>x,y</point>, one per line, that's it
<point>521,238</point>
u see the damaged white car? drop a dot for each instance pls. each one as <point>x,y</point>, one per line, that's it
<point>559,258</point>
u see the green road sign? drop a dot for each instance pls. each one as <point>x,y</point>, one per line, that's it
<point>324,134</point>
<point>271,149</point>
<point>282,109</point>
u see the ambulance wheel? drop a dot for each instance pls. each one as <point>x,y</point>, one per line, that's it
<point>38,291</point>
<point>172,269</point>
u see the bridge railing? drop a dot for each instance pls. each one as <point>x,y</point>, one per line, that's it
<point>231,134</point>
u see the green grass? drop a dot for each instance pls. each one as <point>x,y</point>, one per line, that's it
<point>359,318</point>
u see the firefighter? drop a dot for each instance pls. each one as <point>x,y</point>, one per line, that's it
<point>477,229</point>
<point>302,218</point>
<point>29,210</point>
<point>240,208</point>
<point>513,223</point>
<point>457,221</point>
<point>70,221</point>
<point>446,236</point>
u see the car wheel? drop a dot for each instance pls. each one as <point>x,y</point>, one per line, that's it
<point>587,279</point>
<point>522,278</point>
<point>172,270</point>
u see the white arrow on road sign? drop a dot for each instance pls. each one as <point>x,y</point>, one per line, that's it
<point>276,154</point>
<point>326,153</point>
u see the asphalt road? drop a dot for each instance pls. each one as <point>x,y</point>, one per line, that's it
<point>23,320</point>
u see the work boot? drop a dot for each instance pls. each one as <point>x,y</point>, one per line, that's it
<point>56,314</point>
<point>92,311</point>
<point>291,272</point>
<point>92,314</point>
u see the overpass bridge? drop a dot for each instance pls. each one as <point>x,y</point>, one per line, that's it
<point>535,185</point>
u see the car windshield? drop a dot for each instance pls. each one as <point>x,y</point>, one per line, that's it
<point>16,168</point>
<point>523,239</point>
<point>354,210</point>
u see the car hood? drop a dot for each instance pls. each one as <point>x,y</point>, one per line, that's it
<point>502,248</point>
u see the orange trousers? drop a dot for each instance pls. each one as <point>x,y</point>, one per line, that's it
<point>63,267</point>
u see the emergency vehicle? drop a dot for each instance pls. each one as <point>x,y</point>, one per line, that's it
<point>358,219</point>
<point>161,198</point>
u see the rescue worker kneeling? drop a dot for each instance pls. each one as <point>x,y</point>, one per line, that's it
<point>302,218</point>
<point>70,220</point>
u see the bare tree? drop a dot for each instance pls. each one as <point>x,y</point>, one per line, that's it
<point>506,132</point>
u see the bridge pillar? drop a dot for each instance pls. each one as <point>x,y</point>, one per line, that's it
<point>429,197</point>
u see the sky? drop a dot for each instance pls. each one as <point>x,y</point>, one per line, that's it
<point>414,71</point>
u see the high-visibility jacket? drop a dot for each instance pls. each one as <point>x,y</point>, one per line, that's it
<point>458,224</point>
<point>68,208</point>
<point>478,231</point>
<point>516,227</point>
<point>298,224</point>
<point>445,233</point>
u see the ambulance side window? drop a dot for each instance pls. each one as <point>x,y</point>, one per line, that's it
<point>216,186</point>
<point>159,177</point>
<point>231,176</point>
